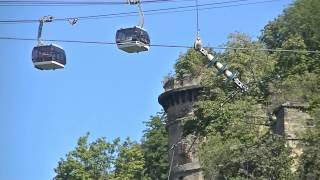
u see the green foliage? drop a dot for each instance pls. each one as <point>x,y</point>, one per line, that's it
<point>302,18</point>
<point>129,162</point>
<point>234,145</point>
<point>296,88</point>
<point>254,67</point>
<point>310,159</point>
<point>101,160</point>
<point>292,63</point>
<point>297,28</point>
<point>87,161</point>
<point>192,63</point>
<point>155,147</point>
<point>263,158</point>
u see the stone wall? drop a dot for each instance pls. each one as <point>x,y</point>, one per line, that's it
<point>292,120</point>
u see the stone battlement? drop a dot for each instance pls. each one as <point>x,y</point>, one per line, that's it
<point>172,82</point>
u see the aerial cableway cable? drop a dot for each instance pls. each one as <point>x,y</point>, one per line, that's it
<point>164,45</point>
<point>179,9</point>
<point>76,3</point>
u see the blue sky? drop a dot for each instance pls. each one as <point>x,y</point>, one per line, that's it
<point>102,90</point>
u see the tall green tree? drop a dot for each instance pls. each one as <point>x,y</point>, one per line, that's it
<point>238,141</point>
<point>155,147</point>
<point>299,19</point>
<point>116,160</point>
<point>191,63</point>
<point>264,158</point>
<point>129,162</point>
<point>310,159</point>
<point>299,28</point>
<point>88,161</point>
<point>101,160</point>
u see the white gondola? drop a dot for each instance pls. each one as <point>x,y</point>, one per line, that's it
<point>47,57</point>
<point>133,39</point>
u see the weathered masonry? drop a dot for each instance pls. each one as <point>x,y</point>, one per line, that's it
<point>177,101</point>
<point>291,120</point>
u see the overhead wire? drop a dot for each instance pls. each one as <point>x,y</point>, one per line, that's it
<point>163,45</point>
<point>125,13</point>
<point>77,3</point>
<point>197,10</point>
<point>178,9</point>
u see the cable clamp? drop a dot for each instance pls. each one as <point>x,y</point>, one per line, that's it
<point>133,2</point>
<point>47,19</point>
<point>197,44</point>
<point>73,21</point>
<point>234,75</point>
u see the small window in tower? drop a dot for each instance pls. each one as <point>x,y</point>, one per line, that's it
<point>195,95</point>
<point>190,96</point>
<point>171,101</point>
<point>176,98</point>
<point>183,97</point>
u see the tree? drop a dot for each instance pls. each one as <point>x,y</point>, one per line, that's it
<point>298,28</point>
<point>155,148</point>
<point>238,143</point>
<point>129,163</point>
<point>88,161</point>
<point>254,66</point>
<point>191,63</point>
<point>264,158</point>
<point>101,160</point>
<point>310,159</point>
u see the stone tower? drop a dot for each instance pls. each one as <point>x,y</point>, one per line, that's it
<point>177,101</point>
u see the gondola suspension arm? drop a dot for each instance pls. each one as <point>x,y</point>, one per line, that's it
<point>43,20</point>
<point>219,66</point>
<point>141,15</point>
<point>141,23</point>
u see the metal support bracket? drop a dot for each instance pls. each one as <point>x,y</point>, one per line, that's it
<point>133,1</point>
<point>222,69</point>
<point>43,20</point>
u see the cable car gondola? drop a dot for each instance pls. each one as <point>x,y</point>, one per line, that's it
<point>133,39</point>
<point>47,57</point>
